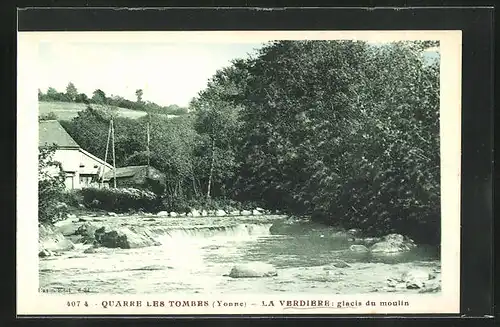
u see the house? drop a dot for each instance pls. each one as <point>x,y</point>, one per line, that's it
<point>80,167</point>
<point>137,176</point>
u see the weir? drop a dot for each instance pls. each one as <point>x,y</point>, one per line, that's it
<point>242,230</point>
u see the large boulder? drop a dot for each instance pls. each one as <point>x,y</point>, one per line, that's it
<point>371,240</point>
<point>340,264</point>
<point>173,214</point>
<point>256,212</point>
<point>220,213</point>
<point>246,213</point>
<point>419,278</point>
<point>124,238</point>
<point>45,253</point>
<point>52,240</point>
<point>393,243</point>
<point>252,270</point>
<point>87,232</point>
<point>234,213</point>
<point>358,248</point>
<point>66,227</point>
<point>162,214</point>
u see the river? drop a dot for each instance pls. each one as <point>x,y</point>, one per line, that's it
<point>196,254</point>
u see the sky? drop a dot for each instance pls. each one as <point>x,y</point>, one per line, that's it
<point>168,73</point>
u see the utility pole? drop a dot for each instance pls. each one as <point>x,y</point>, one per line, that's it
<point>148,140</point>
<point>105,156</point>
<point>113,148</point>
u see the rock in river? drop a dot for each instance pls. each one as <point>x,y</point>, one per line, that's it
<point>124,238</point>
<point>358,248</point>
<point>220,213</point>
<point>66,227</point>
<point>340,264</point>
<point>87,231</point>
<point>253,269</point>
<point>53,240</point>
<point>393,243</point>
<point>417,278</point>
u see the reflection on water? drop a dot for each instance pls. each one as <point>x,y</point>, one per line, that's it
<point>194,258</point>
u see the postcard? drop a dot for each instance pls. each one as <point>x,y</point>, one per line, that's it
<point>238,172</point>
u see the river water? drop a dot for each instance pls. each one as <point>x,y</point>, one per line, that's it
<point>196,253</point>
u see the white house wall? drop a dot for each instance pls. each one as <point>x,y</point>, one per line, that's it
<point>70,161</point>
<point>89,165</point>
<point>76,163</point>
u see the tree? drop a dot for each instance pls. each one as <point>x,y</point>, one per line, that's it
<point>82,98</point>
<point>71,92</point>
<point>217,122</point>
<point>343,131</point>
<point>99,97</point>
<point>50,187</point>
<point>52,94</point>
<point>138,94</point>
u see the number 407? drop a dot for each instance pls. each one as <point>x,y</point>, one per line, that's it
<point>76,303</point>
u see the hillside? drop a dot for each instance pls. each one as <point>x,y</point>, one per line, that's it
<point>69,110</point>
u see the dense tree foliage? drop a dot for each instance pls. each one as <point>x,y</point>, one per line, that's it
<point>346,132</point>
<point>343,131</point>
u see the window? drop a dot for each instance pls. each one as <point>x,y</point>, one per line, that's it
<point>86,179</point>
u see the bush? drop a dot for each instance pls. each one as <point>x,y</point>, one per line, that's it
<point>72,198</point>
<point>182,204</point>
<point>120,199</point>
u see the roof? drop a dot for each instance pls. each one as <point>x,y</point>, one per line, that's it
<point>51,132</point>
<point>96,158</point>
<point>129,171</point>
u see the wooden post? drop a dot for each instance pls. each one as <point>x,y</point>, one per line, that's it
<point>148,140</point>
<point>113,149</point>
<point>105,156</point>
<point>211,169</point>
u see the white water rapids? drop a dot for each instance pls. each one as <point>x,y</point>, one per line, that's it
<point>196,254</point>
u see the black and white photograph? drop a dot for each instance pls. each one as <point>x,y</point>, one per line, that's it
<point>230,166</point>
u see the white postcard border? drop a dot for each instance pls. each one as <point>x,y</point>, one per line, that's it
<point>31,302</point>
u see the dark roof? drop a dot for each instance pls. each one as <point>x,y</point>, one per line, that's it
<point>51,132</point>
<point>131,171</point>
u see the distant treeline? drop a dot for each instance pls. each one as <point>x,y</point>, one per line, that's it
<point>100,97</point>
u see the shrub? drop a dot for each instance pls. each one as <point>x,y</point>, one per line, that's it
<point>183,204</point>
<point>72,197</point>
<point>50,187</point>
<point>120,199</point>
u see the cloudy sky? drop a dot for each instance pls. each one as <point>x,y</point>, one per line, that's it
<point>168,73</point>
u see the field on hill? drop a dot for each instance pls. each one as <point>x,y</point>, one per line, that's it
<point>69,110</point>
